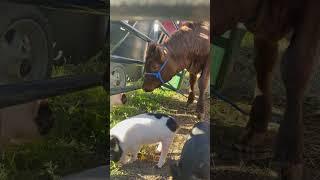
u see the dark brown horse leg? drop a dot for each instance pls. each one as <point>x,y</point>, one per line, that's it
<point>192,81</point>
<point>266,56</point>
<point>203,84</point>
<point>297,67</point>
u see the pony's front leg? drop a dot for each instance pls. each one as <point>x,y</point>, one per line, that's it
<point>203,84</point>
<point>298,64</point>
<point>192,81</point>
<point>254,135</point>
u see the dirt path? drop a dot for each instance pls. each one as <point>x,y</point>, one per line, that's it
<point>231,164</point>
<point>143,168</point>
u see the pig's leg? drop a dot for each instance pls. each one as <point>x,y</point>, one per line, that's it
<point>124,158</point>
<point>164,152</point>
<point>158,150</point>
<point>135,152</point>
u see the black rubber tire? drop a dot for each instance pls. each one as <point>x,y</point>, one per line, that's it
<point>11,13</point>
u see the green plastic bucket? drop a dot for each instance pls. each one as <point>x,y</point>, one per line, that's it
<point>223,50</point>
<point>175,82</point>
<point>217,54</point>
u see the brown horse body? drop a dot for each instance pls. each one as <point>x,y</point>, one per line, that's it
<point>270,21</point>
<point>188,48</point>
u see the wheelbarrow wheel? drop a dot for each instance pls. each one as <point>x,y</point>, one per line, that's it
<point>118,76</point>
<point>26,54</point>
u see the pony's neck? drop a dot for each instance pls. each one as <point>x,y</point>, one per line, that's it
<point>225,14</point>
<point>178,63</point>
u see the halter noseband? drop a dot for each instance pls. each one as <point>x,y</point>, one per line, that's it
<point>157,74</point>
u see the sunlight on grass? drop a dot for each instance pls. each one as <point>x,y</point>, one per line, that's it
<point>141,102</point>
<point>115,170</point>
<point>76,142</point>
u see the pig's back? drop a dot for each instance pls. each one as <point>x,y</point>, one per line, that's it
<point>142,129</point>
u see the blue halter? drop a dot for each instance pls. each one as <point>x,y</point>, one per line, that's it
<point>157,74</point>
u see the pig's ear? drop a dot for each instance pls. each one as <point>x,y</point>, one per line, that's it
<point>113,142</point>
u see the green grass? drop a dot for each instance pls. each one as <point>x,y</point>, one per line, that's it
<point>76,142</point>
<point>141,102</point>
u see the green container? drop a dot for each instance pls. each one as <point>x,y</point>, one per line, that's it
<point>175,82</point>
<point>217,54</point>
<point>223,50</point>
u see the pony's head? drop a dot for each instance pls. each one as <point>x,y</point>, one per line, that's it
<point>158,69</point>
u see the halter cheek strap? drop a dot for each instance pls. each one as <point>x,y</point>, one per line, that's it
<point>157,74</point>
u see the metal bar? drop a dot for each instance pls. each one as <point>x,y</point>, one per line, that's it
<point>136,32</point>
<point>124,60</point>
<point>13,94</point>
<point>163,29</point>
<point>114,91</point>
<point>162,36</point>
<point>76,10</point>
<point>91,7</point>
<point>175,24</point>
<point>155,9</point>
<point>115,47</point>
<point>93,4</point>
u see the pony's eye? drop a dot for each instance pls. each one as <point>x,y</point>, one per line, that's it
<point>154,67</point>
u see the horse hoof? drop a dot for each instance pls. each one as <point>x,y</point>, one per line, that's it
<point>252,143</point>
<point>190,98</point>
<point>189,102</point>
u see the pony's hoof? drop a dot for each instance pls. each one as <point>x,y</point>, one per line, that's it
<point>190,98</point>
<point>251,142</point>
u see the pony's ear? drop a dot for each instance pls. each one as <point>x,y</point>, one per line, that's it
<point>153,50</point>
<point>152,47</point>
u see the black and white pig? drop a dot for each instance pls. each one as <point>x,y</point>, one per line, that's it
<point>129,135</point>
<point>195,156</point>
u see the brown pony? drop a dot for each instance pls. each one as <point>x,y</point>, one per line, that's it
<point>270,21</point>
<point>188,48</point>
